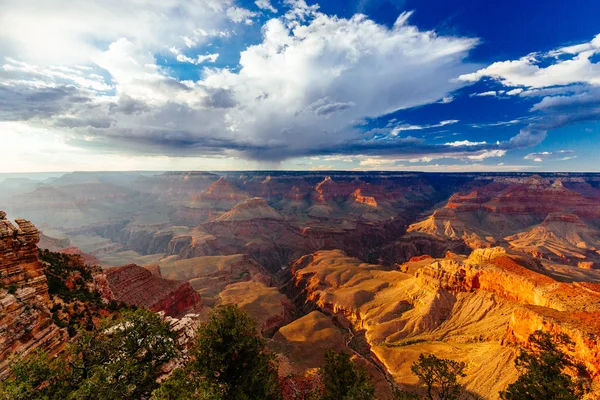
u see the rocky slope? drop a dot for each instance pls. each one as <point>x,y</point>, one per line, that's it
<point>135,285</point>
<point>210,275</point>
<point>529,213</point>
<point>25,320</point>
<point>254,208</point>
<point>561,237</point>
<point>467,309</point>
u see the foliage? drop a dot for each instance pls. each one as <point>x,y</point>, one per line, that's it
<point>345,380</point>
<point>37,376</point>
<point>120,360</point>
<point>404,395</point>
<point>546,371</point>
<point>70,283</point>
<point>185,384</point>
<point>403,343</point>
<point>231,356</point>
<point>439,376</point>
<point>68,276</point>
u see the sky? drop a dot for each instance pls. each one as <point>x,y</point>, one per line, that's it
<point>426,85</point>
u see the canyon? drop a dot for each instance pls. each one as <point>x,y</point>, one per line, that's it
<point>385,266</point>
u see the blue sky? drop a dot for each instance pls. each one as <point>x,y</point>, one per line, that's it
<point>426,85</point>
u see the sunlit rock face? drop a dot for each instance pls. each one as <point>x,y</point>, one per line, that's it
<point>532,215</point>
<point>25,320</point>
<point>465,308</point>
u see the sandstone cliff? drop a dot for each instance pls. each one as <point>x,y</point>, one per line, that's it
<point>467,309</point>
<point>537,216</point>
<point>25,321</point>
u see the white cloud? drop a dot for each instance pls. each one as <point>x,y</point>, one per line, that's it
<point>465,143</point>
<point>74,32</point>
<point>265,5</point>
<point>514,92</point>
<point>560,155</point>
<point>568,85</point>
<point>239,14</point>
<point>527,72</point>
<point>487,154</point>
<point>200,59</point>
<point>400,127</point>
<point>374,163</point>
<point>491,93</point>
<point>446,100</point>
<point>300,91</point>
<point>51,75</point>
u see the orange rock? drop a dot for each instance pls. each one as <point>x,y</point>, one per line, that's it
<point>24,316</point>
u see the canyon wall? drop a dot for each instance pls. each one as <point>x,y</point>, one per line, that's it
<point>138,286</point>
<point>25,320</point>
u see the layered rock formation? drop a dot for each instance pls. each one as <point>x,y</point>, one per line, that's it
<point>535,215</point>
<point>254,208</point>
<point>561,237</point>
<point>140,287</point>
<point>211,274</point>
<point>455,307</point>
<point>303,343</point>
<point>266,305</point>
<point>25,321</point>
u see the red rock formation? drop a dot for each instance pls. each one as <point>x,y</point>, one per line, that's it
<point>138,286</point>
<point>25,321</point>
<point>561,237</point>
<point>583,328</point>
<point>487,214</point>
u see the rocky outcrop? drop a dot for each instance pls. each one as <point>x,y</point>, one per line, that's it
<point>583,328</point>
<point>561,237</point>
<point>254,208</point>
<point>266,305</point>
<point>537,216</point>
<point>221,195</point>
<point>211,274</point>
<point>455,307</point>
<point>366,200</point>
<point>25,321</point>
<point>138,286</point>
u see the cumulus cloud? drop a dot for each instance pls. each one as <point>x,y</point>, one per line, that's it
<point>239,14</point>
<point>196,61</point>
<point>73,32</point>
<point>304,90</point>
<point>527,70</point>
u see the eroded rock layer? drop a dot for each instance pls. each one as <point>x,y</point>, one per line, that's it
<point>464,308</point>
<point>138,286</point>
<point>25,321</point>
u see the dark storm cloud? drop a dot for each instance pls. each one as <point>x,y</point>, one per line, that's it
<point>24,102</point>
<point>128,105</point>
<point>220,98</point>
<point>557,112</point>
